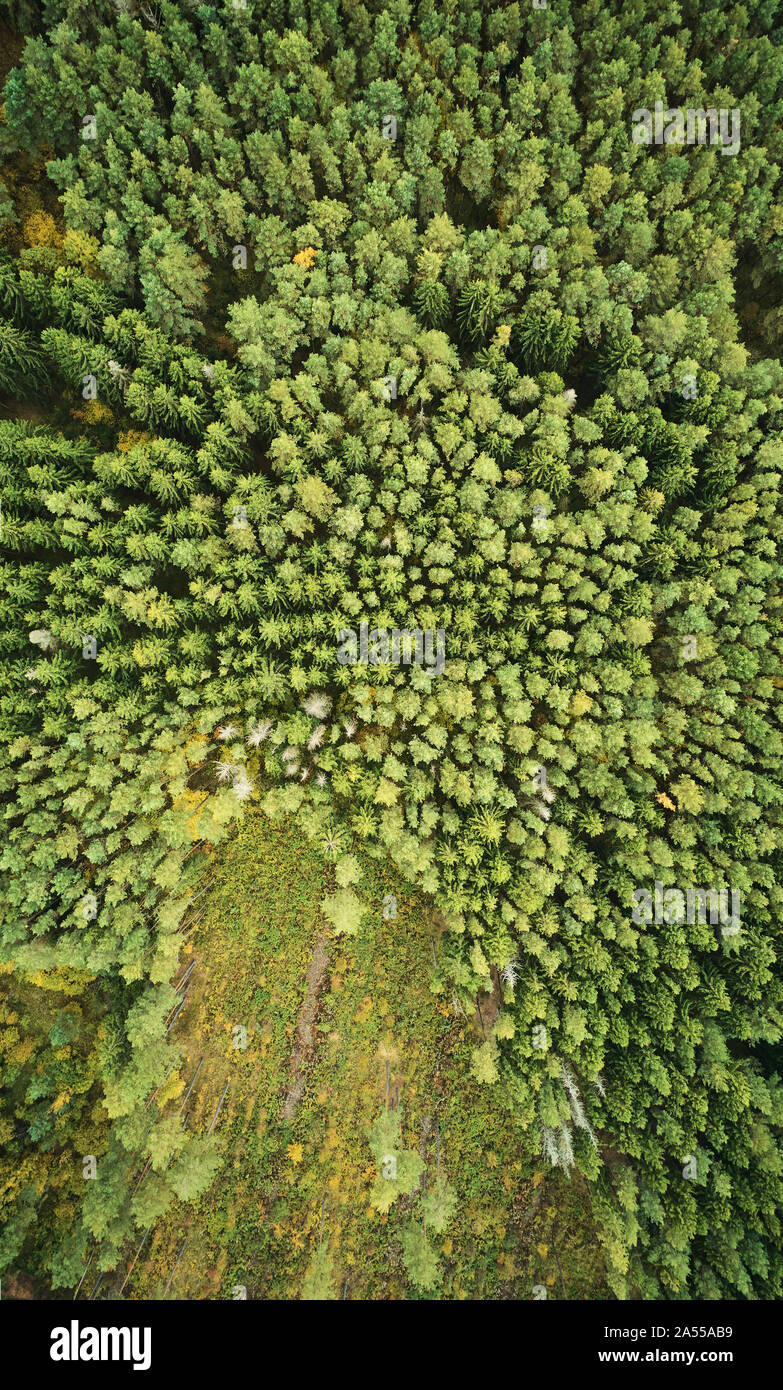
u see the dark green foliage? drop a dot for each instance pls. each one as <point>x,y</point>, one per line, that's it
<point>21,361</point>
<point>544,341</point>
<point>432,302</point>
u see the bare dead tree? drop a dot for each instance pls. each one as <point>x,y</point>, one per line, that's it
<point>176,1266</point>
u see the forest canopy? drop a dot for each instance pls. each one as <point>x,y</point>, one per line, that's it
<point>320,318</point>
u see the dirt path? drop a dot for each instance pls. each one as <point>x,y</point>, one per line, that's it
<point>316,974</point>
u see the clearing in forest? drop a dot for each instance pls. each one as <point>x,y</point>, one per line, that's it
<point>318,1036</point>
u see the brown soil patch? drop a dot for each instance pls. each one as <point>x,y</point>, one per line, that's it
<point>305,1024</point>
<point>490,1005</point>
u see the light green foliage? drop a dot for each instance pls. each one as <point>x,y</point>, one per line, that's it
<point>438,1206</point>
<point>318,1284</point>
<point>400,1169</point>
<point>420,1259</point>
<point>345,910</point>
